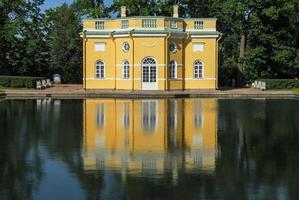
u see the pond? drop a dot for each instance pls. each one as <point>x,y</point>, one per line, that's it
<point>149,149</point>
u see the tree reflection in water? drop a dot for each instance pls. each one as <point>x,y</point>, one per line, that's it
<point>196,148</point>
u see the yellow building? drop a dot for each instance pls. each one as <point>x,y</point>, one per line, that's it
<point>140,137</point>
<point>150,53</point>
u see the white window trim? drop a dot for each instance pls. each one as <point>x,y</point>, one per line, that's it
<point>202,70</point>
<point>104,70</point>
<point>123,70</point>
<point>175,23</point>
<point>144,64</point>
<point>124,25</point>
<point>175,70</point>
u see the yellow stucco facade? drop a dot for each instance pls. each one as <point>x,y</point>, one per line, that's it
<point>150,53</point>
<point>150,136</point>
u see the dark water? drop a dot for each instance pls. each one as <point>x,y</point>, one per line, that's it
<point>149,149</point>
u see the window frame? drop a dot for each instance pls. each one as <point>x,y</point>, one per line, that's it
<point>124,24</point>
<point>173,66</point>
<point>196,66</point>
<point>100,69</point>
<point>126,69</point>
<point>173,24</point>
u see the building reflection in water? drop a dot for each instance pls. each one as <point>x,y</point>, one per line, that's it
<point>150,137</point>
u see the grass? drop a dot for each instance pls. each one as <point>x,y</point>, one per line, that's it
<point>296,91</point>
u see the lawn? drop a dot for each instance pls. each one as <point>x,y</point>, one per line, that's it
<point>296,91</point>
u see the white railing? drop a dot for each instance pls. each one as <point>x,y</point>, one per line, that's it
<point>149,23</point>
<point>173,24</point>
<point>198,24</point>
<point>124,24</point>
<point>100,25</point>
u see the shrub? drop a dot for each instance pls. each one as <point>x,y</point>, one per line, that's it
<point>19,81</point>
<point>272,84</point>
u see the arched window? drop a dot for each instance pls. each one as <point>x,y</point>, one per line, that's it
<point>126,69</point>
<point>100,69</point>
<point>149,70</point>
<point>172,70</point>
<point>198,69</point>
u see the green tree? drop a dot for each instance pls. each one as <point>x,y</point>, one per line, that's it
<point>23,48</point>
<point>91,8</point>
<point>65,46</point>
<point>274,41</point>
<point>136,7</point>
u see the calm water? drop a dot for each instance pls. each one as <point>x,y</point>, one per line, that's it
<point>149,149</point>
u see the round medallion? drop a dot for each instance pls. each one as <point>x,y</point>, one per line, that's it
<point>172,47</point>
<point>126,46</point>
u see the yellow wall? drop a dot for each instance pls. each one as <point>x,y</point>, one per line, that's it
<point>208,57</point>
<point>149,45</point>
<point>107,57</point>
<point>133,147</point>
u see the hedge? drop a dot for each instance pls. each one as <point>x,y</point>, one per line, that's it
<point>280,83</point>
<point>19,81</point>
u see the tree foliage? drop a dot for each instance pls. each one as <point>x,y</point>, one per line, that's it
<point>260,37</point>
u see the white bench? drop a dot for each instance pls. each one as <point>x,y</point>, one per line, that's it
<point>38,85</point>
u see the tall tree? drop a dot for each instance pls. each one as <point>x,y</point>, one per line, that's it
<point>91,8</point>
<point>22,38</point>
<point>136,7</point>
<point>65,46</point>
<point>273,41</point>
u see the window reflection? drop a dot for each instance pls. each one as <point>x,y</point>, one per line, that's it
<point>149,116</point>
<point>100,116</point>
<point>173,109</point>
<point>150,136</point>
<point>126,115</point>
<point>197,114</point>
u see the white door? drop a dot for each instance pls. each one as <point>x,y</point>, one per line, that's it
<point>149,74</point>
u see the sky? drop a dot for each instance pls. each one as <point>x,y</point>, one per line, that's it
<point>53,3</point>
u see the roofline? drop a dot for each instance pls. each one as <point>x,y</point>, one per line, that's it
<point>150,17</point>
<point>151,32</point>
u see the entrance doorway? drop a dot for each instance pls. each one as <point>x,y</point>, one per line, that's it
<point>149,74</point>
